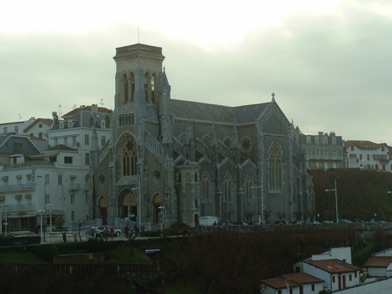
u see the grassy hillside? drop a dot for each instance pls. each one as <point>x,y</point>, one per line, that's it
<point>362,195</point>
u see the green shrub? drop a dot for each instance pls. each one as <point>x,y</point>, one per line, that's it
<point>46,252</point>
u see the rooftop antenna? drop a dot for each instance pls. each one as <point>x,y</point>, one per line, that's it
<point>101,102</point>
<point>59,110</point>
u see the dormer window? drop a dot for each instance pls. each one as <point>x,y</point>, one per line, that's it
<point>70,123</point>
<point>61,124</point>
<point>103,124</point>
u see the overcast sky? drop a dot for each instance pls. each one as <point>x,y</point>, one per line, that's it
<point>328,62</point>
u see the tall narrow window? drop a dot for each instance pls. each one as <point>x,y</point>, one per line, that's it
<point>124,89</point>
<point>248,187</point>
<point>132,87</point>
<point>275,166</point>
<point>128,157</point>
<point>205,179</point>
<point>154,90</point>
<point>147,87</point>
<point>227,188</point>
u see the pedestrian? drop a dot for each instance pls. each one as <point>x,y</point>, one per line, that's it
<point>75,237</point>
<point>126,231</point>
<point>64,237</point>
<point>111,233</point>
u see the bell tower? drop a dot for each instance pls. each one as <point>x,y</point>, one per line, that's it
<point>138,70</point>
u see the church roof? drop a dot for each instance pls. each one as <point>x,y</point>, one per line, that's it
<point>217,113</point>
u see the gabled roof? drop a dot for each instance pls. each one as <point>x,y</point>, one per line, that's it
<point>333,265</point>
<point>364,145</point>
<point>378,261</point>
<point>46,121</point>
<point>87,108</point>
<point>291,280</point>
<point>217,113</point>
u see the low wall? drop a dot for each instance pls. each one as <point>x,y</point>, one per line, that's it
<point>87,258</point>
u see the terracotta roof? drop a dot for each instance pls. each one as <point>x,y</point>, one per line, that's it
<point>333,265</point>
<point>365,145</point>
<point>47,121</point>
<point>293,280</point>
<point>87,108</point>
<point>279,283</point>
<point>303,278</point>
<point>378,261</point>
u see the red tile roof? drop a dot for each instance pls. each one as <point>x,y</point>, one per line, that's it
<point>87,108</point>
<point>291,280</point>
<point>333,265</point>
<point>365,145</point>
<point>303,278</point>
<point>378,261</point>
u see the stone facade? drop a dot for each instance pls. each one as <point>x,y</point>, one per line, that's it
<point>322,151</point>
<point>173,161</point>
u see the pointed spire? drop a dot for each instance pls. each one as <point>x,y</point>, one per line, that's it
<point>273,96</point>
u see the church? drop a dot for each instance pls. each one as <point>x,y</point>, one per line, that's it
<point>175,161</point>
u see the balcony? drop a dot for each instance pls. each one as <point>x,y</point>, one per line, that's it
<point>74,186</point>
<point>17,188</point>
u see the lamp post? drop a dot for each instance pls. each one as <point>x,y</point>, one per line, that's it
<point>41,211</point>
<point>1,219</point>
<point>162,218</point>
<point>262,202</point>
<point>50,216</point>
<point>336,200</point>
<point>6,220</point>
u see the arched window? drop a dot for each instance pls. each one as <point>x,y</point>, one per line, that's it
<point>128,157</point>
<point>132,78</point>
<point>248,187</point>
<point>124,94</point>
<point>154,88</point>
<point>147,87</point>
<point>205,182</point>
<point>275,166</point>
<point>228,181</point>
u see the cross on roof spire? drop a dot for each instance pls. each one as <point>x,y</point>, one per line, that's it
<point>273,96</point>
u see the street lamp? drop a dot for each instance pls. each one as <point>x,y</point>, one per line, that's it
<point>50,216</point>
<point>262,202</point>
<point>6,220</point>
<point>162,218</point>
<point>41,211</point>
<point>139,213</point>
<point>1,219</point>
<point>336,200</point>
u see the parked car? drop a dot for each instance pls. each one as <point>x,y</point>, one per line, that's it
<point>99,231</point>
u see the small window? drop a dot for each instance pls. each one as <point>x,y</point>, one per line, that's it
<point>67,160</point>
<point>60,180</point>
<point>87,158</point>
<point>72,198</point>
<point>87,139</point>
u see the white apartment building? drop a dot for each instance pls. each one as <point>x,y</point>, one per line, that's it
<point>322,151</point>
<point>51,183</point>
<point>367,155</point>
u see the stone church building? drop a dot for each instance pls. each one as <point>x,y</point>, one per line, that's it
<point>174,161</point>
